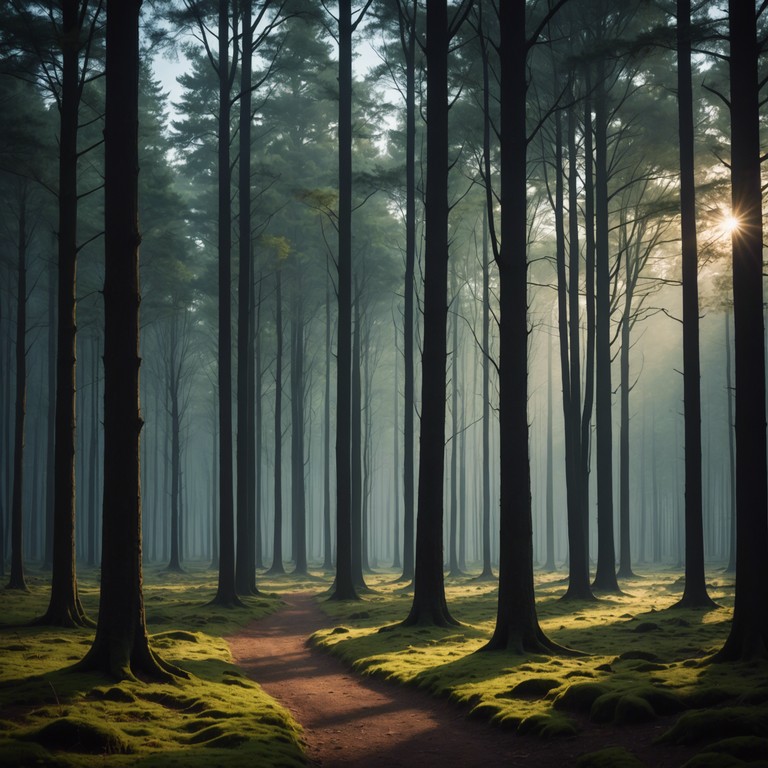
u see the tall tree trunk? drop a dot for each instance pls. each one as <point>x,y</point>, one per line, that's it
<point>298,501</point>
<point>407,17</point>
<point>245,568</point>
<point>94,448</point>
<point>356,452</point>
<point>453,533</point>
<point>258,561</point>
<point>344,588</point>
<point>174,373</point>
<point>429,605</point>
<point>517,627</point>
<point>605,575</point>
<point>51,427</point>
<point>327,542</point>
<point>731,567</point>
<point>695,594</point>
<point>487,571</point>
<point>121,646</point>
<point>64,607</point>
<point>396,560</point>
<point>748,637</point>
<point>625,551</point>
<point>277,541</point>
<point>17,580</point>
<point>549,516</point>
<point>226,592</point>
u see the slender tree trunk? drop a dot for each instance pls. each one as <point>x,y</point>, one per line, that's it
<point>605,575</point>
<point>51,427</point>
<point>226,592</point>
<point>174,355</point>
<point>258,561</point>
<point>731,568</point>
<point>298,501</point>
<point>408,12</point>
<point>748,637</point>
<point>549,518</point>
<point>356,455</point>
<point>453,534</point>
<point>277,541</point>
<point>396,560</point>
<point>429,605</point>
<point>517,626</point>
<point>94,447</point>
<point>487,571</point>
<point>64,607</point>
<point>625,552</point>
<point>17,579</point>
<point>245,567</point>
<point>121,646</point>
<point>327,542</point>
<point>695,594</point>
<point>345,582</point>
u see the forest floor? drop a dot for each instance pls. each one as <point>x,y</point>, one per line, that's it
<point>352,720</point>
<point>643,693</point>
<point>293,677</point>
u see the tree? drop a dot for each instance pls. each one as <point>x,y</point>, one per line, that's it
<point>748,637</point>
<point>517,627</point>
<point>17,579</point>
<point>121,646</point>
<point>344,586</point>
<point>429,605</point>
<point>695,593</point>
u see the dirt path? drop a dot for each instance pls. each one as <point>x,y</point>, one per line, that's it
<point>349,720</point>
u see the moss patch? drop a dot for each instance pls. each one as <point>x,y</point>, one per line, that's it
<point>55,717</point>
<point>645,659</point>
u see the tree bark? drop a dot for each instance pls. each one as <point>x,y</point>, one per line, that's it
<point>298,500</point>
<point>429,605</point>
<point>121,646</point>
<point>64,607</point>
<point>695,594</point>
<point>245,565</point>
<point>344,588</point>
<point>277,567</point>
<point>17,579</point>
<point>748,637</point>
<point>408,37</point>
<point>605,575</point>
<point>517,627</point>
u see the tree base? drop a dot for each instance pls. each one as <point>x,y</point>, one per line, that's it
<point>486,576</point>
<point>579,594</point>
<point>226,601</point>
<point>116,660</point>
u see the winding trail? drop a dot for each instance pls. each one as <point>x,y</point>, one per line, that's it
<point>350,720</point>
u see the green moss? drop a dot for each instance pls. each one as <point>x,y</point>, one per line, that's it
<point>633,709</point>
<point>707,726</point>
<point>579,697</point>
<point>743,747</point>
<point>612,757</point>
<point>78,735</point>
<point>21,754</point>
<point>531,688</point>
<point>550,726</point>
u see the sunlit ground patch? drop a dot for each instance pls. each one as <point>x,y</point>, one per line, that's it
<point>644,659</point>
<point>217,718</point>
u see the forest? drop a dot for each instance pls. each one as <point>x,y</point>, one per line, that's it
<point>383,383</point>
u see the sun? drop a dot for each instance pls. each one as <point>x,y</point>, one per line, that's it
<point>729,224</point>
